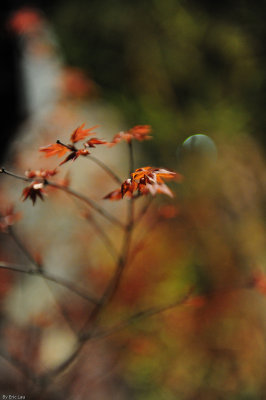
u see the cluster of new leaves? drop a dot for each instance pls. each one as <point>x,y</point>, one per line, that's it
<point>8,218</point>
<point>145,180</point>
<point>79,134</point>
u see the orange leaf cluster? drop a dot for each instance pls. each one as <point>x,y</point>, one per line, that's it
<point>145,180</point>
<point>60,149</point>
<point>80,133</point>
<point>138,132</point>
<point>55,149</point>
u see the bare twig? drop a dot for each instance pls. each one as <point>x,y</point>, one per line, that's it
<point>19,365</point>
<point>87,333</point>
<point>105,332</point>
<point>101,233</point>
<point>95,160</point>
<point>71,192</point>
<point>149,312</point>
<point>52,278</point>
<point>23,248</point>
<point>105,168</point>
<point>143,211</point>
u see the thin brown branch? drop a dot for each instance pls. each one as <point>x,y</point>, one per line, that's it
<point>115,280</point>
<point>60,307</point>
<point>105,167</point>
<point>149,312</point>
<point>20,177</point>
<point>71,192</point>
<point>19,365</point>
<point>52,278</point>
<point>88,201</point>
<point>23,248</point>
<point>105,238</point>
<point>131,157</point>
<point>88,330</point>
<point>143,211</point>
<point>105,332</point>
<point>95,160</point>
<point>45,379</point>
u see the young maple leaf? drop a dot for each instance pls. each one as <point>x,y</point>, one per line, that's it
<point>153,175</point>
<point>145,180</point>
<point>74,155</point>
<point>93,141</point>
<point>114,195</point>
<point>42,173</point>
<point>127,189</point>
<point>138,132</point>
<point>54,149</point>
<point>80,133</point>
<point>33,191</point>
<point>8,218</point>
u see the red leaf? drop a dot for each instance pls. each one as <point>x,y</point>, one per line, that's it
<point>138,132</point>
<point>74,155</point>
<point>115,195</point>
<point>80,133</point>
<point>93,141</point>
<point>54,149</point>
<point>33,191</point>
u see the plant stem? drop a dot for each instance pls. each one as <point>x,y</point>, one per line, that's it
<point>23,248</point>
<point>88,201</point>
<point>79,196</point>
<point>111,288</point>
<point>96,161</point>
<point>22,178</point>
<point>52,278</point>
<point>101,233</point>
<point>19,365</point>
<point>149,312</point>
<point>105,168</point>
<point>131,157</point>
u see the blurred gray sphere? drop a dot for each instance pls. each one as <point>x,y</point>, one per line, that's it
<point>196,146</point>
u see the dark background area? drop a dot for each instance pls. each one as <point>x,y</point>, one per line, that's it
<point>184,67</point>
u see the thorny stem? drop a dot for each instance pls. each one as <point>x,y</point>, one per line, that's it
<point>73,193</point>
<point>52,278</point>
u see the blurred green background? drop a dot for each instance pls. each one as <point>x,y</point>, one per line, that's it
<point>184,67</point>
